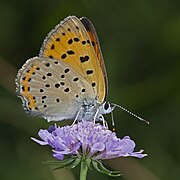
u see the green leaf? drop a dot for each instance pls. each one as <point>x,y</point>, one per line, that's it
<point>100,168</point>
<point>89,164</point>
<point>59,161</point>
<point>74,163</point>
<point>60,164</point>
<point>103,168</point>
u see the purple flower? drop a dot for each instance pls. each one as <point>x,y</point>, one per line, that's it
<point>87,139</point>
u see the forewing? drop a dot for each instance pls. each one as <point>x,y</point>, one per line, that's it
<point>96,45</point>
<point>70,42</point>
<point>52,89</point>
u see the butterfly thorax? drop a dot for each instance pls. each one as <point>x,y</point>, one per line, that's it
<point>90,111</point>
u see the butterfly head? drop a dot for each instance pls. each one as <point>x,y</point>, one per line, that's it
<point>106,108</point>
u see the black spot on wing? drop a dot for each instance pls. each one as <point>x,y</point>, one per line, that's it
<point>66,90</point>
<point>89,72</point>
<point>75,79</point>
<point>93,84</point>
<point>49,74</point>
<point>70,52</point>
<point>57,85</point>
<point>76,39</point>
<point>52,47</point>
<point>70,41</point>
<point>66,70</point>
<point>84,59</point>
<point>63,56</point>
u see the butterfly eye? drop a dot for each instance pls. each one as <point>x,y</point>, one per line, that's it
<point>106,105</point>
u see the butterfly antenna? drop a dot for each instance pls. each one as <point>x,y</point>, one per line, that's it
<point>124,109</point>
<point>113,124</point>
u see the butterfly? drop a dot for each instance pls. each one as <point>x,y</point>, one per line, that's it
<point>68,79</point>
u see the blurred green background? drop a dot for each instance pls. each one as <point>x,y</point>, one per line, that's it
<point>141,46</point>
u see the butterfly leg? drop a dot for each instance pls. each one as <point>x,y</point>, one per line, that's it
<point>106,124</point>
<point>101,117</point>
<point>95,115</point>
<point>77,115</point>
<point>103,120</point>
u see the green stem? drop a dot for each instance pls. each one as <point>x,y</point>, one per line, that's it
<point>83,170</point>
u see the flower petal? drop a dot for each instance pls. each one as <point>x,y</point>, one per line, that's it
<point>87,139</point>
<point>98,147</point>
<point>39,142</point>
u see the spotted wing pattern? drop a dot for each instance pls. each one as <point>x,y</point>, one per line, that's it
<point>70,42</point>
<point>52,88</point>
<point>96,45</point>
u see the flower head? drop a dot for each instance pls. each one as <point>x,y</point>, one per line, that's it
<point>87,139</point>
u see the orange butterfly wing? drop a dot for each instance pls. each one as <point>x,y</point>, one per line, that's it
<point>72,42</point>
<point>96,45</point>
